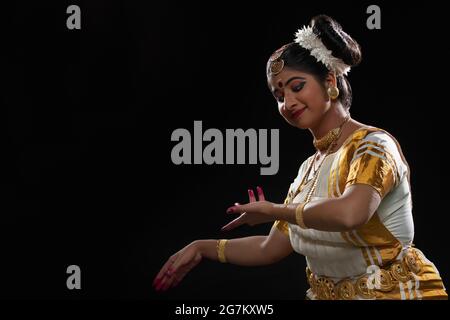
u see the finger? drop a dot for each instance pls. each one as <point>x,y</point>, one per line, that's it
<point>170,276</point>
<point>157,279</point>
<point>165,268</point>
<point>176,282</point>
<point>168,283</point>
<point>251,196</point>
<point>233,224</point>
<point>161,282</point>
<point>184,261</point>
<point>156,282</point>
<point>241,209</point>
<point>235,209</point>
<point>183,271</point>
<point>181,268</point>
<point>260,194</point>
<point>178,278</point>
<point>170,279</point>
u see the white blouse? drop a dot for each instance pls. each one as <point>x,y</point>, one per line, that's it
<point>369,156</point>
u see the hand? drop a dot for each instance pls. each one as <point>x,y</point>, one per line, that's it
<point>177,266</point>
<point>252,213</point>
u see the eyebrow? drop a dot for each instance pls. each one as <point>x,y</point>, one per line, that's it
<point>287,82</point>
<point>293,78</point>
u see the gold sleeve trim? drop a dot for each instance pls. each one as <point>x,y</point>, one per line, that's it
<point>281,225</point>
<point>373,168</point>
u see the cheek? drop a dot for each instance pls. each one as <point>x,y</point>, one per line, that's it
<point>315,98</point>
<point>282,110</point>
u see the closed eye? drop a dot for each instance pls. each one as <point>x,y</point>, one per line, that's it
<point>277,96</point>
<point>298,87</point>
<point>280,98</point>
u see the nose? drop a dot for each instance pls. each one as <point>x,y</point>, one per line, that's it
<point>289,102</point>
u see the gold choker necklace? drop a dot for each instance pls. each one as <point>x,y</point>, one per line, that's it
<point>324,142</point>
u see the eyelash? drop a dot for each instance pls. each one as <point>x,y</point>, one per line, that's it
<point>297,88</point>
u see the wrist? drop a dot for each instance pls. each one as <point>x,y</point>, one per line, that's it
<point>284,212</point>
<point>276,211</point>
<point>199,246</point>
<point>299,215</point>
<point>220,248</point>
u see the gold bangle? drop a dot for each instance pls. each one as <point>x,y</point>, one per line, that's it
<point>221,250</point>
<point>299,215</point>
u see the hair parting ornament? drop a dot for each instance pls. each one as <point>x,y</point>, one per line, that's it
<point>276,63</point>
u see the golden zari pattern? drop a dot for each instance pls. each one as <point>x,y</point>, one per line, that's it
<point>391,279</point>
<point>373,157</point>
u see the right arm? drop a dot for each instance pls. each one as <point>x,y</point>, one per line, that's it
<point>248,251</point>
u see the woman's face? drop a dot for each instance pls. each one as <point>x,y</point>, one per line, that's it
<point>302,100</point>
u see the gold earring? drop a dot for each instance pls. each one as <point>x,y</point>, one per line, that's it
<point>333,92</point>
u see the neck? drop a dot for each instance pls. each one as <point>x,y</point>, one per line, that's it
<point>330,120</point>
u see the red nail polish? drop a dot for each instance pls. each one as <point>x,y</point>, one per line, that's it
<point>161,284</point>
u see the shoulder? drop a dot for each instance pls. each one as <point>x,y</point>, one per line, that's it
<point>373,137</point>
<point>374,143</point>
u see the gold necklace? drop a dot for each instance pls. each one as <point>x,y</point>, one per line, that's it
<point>324,142</point>
<point>333,143</point>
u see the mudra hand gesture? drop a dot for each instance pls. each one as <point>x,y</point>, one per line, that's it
<point>252,213</point>
<point>177,266</point>
<point>180,263</point>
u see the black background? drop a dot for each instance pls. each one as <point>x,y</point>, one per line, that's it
<point>87,117</point>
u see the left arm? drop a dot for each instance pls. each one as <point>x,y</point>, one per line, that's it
<point>376,167</point>
<point>350,211</point>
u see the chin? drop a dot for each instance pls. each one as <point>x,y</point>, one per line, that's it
<point>300,123</point>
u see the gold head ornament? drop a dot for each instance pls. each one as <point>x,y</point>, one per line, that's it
<point>276,63</point>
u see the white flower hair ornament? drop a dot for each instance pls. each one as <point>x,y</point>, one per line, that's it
<point>307,39</point>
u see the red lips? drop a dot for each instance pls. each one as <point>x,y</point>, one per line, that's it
<point>297,113</point>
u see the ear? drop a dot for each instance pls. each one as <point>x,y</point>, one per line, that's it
<point>330,80</point>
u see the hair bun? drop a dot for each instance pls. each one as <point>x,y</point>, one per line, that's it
<point>335,39</point>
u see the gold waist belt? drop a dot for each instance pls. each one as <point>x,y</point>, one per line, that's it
<point>384,279</point>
